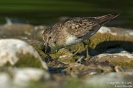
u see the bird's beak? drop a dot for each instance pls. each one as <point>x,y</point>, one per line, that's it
<point>46,47</point>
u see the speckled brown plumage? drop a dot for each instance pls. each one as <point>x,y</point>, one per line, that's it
<point>75,30</point>
<point>81,26</point>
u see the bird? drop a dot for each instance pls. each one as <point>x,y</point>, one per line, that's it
<point>72,31</point>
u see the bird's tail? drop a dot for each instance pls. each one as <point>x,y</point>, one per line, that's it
<point>106,18</point>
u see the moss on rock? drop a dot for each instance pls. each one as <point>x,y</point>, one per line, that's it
<point>124,64</point>
<point>101,42</point>
<point>123,60</point>
<point>38,45</point>
<point>26,60</point>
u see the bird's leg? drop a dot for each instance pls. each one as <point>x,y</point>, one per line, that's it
<point>87,53</point>
<point>86,48</point>
<point>77,50</point>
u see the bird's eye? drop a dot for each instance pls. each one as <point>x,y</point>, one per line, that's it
<point>50,37</point>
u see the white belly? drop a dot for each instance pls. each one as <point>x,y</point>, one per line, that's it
<point>72,40</point>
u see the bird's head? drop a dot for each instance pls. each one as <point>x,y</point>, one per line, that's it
<point>49,37</point>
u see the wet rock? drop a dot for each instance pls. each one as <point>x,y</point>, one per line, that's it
<point>91,68</point>
<point>123,59</point>
<point>64,56</point>
<point>64,51</point>
<point>111,80</point>
<point>19,53</point>
<point>35,43</point>
<point>116,31</point>
<point>38,45</point>
<point>21,31</point>
<point>112,37</point>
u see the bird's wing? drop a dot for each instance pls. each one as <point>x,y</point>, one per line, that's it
<point>79,27</point>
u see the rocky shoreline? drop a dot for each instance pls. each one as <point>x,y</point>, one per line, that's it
<point>24,64</point>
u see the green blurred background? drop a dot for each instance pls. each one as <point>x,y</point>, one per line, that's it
<point>47,12</point>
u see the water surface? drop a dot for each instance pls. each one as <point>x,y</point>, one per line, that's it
<point>47,12</point>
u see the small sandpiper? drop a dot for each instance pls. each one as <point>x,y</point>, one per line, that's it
<point>74,30</point>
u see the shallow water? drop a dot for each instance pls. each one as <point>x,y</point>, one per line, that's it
<point>47,12</point>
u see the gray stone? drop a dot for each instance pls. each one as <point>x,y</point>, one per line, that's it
<point>111,80</point>
<point>11,50</point>
<point>22,77</point>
